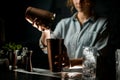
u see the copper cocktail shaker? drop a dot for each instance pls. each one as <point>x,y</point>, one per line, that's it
<point>57,54</point>
<point>39,16</point>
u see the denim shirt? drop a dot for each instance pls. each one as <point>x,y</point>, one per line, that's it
<point>93,33</point>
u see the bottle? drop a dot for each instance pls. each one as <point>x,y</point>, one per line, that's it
<point>14,60</point>
<point>28,61</point>
<point>23,57</point>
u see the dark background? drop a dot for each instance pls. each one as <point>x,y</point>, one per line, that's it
<point>14,27</point>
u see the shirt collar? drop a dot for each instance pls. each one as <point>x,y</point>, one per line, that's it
<point>91,19</point>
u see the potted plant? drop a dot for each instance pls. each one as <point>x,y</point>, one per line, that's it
<point>12,51</point>
<point>12,46</point>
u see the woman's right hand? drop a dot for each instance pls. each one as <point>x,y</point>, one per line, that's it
<point>37,24</point>
<point>41,27</point>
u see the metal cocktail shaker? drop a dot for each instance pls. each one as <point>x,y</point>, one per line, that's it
<point>57,54</point>
<point>39,16</point>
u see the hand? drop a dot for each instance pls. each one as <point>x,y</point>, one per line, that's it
<point>36,24</point>
<point>40,27</point>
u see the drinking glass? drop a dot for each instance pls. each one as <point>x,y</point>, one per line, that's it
<point>90,61</point>
<point>74,70</point>
<point>117,56</point>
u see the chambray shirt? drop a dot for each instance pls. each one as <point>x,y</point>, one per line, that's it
<point>92,33</point>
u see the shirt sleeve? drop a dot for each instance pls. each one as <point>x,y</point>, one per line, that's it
<point>44,48</point>
<point>101,42</point>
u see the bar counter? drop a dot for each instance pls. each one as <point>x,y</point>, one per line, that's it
<point>20,74</point>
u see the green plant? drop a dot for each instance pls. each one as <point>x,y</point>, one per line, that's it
<point>12,46</point>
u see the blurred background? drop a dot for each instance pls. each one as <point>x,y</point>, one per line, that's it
<point>14,27</point>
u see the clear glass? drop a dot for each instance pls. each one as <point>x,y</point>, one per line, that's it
<point>74,70</point>
<point>90,61</point>
<point>117,64</point>
<point>83,68</point>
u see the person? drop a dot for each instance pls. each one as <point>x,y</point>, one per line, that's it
<point>84,28</point>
